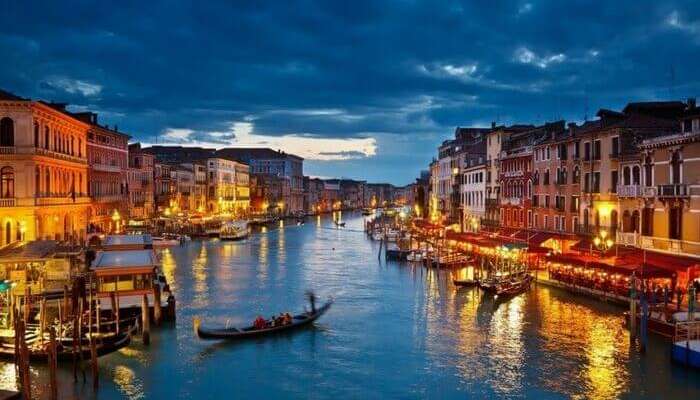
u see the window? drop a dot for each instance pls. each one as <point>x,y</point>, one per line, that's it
<point>675,223</point>
<point>587,151</point>
<point>7,183</point>
<point>615,146</point>
<point>36,134</point>
<point>546,176</point>
<point>7,132</point>
<point>596,150</point>
<point>577,175</point>
<point>548,153</point>
<point>574,204</point>
<point>546,201</point>
<point>648,180</point>
<point>596,182</point>
<point>687,126</point>
<point>635,175</point>
<point>613,179</point>
<point>676,167</point>
<point>577,151</point>
<point>647,222</point>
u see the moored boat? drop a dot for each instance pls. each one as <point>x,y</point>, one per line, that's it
<point>298,321</point>
<point>234,230</point>
<point>465,282</point>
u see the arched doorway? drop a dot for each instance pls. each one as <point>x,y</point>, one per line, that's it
<point>627,222</point>
<point>8,233</point>
<point>7,182</point>
<point>613,220</point>
<point>635,221</point>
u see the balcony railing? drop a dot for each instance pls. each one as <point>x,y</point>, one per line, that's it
<point>592,230</point>
<point>635,191</point>
<point>674,190</point>
<point>61,200</point>
<point>105,168</point>
<point>513,201</point>
<point>7,150</point>
<point>492,203</point>
<point>7,202</point>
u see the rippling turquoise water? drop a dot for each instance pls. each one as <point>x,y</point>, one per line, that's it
<point>395,331</point>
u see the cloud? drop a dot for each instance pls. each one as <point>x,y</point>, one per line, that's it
<point>525,8</point>
<point>74,86</point>
<point>389,78</point>
<point>241,135</point>
<point>674,21</point>
<point>524,55</point>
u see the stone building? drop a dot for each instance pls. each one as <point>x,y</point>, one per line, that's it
<point>43,171</point>
<point>108,163</point>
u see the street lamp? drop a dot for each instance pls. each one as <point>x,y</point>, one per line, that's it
<point>116,218</point>
<point>602,241</point>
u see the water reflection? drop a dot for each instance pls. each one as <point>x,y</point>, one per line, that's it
<point>395,331</point>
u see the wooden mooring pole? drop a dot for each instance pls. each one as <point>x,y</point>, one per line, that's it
<point>145,321</point>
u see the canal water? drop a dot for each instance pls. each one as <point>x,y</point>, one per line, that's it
<point>395,331</point>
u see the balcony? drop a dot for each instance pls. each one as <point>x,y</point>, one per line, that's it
<point>513,201</point>
<point>7,202</point>
<point>55,200</point>
<point>105,168</point>
<point>54,154</point>
<point>108,198</point>
<point>674,190</point>
<point>592,230</point>
<point>7,150</point>
<point>635,191</point>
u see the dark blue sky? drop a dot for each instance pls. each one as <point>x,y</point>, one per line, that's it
<point>363,89</point>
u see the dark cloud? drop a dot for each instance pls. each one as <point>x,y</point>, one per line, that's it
<point>391,70</point>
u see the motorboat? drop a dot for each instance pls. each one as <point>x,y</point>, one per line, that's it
<point>234,230</point>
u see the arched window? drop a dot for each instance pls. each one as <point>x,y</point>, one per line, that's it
<point>47,135</point>
<point>7,132</point>
<point>626,176</point>
<point>635,221</point>
<point>37,182</point>
<point>36,134</point>
<point>585,218</point>
<point>676,167</point>
<point>577,174</point>
<point>613,220</point>
<point>635,175</point>
<point>47,187</point>
<point>7,183</point>
<point>648,180</point>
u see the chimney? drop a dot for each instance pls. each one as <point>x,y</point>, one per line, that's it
<point>493,124</point>
<point>572,128</point>
<point>691,103</point>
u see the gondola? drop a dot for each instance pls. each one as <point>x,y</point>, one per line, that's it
<point>250,331</point>
<point>340,224</point>
<point>465,282</point>
<point>104,346</point>
<point>511,289</point>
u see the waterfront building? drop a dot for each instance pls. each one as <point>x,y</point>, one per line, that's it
<point>556,182</point>
<point>612,161</point>
<point>268,193</point>
<point>379,194</point>
<point>421,197</point>
<point>670,220</point>
<point>331,196</point>
<point>43,171</point>
<point>198,197</point>
<point>229,186</point>
<point>405,195</point>
<point>108,163</point>
<point>140,183</point>
<point>313,194</point>
<point>277,163</point>
<point>473,192</point>
<point>434,190</point>
<point>183,181</point>
<point>516,173</point>
<point>164,188</point>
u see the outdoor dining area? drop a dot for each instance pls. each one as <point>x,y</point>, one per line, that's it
<point>594,264</point>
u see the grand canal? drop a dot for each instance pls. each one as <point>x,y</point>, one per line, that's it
<point>395,331</point>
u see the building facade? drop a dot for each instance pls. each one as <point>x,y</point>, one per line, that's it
<point>108,164</point>
<point>140,182</point>
<point>44,172</point>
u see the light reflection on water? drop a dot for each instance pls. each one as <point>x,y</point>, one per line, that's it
<point>395,331</point>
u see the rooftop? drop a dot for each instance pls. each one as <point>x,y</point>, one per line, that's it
<point>124,259</point>
<point>128,240</point>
